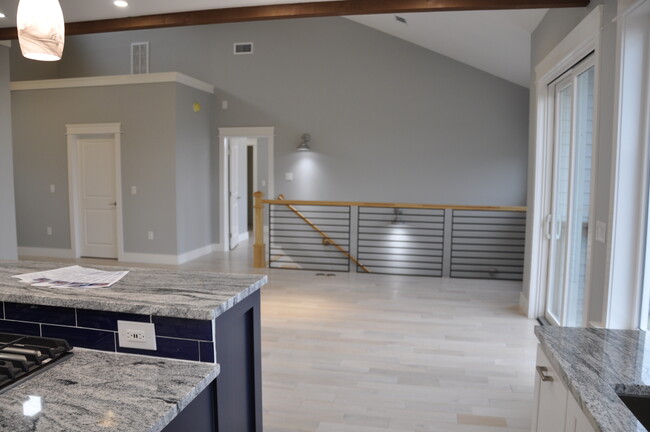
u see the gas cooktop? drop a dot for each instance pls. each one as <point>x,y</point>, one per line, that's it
<point>23,356</point>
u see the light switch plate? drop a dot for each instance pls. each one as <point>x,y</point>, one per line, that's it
<point>288,176</point>
<point>136,335</point>
<point>601,231</point>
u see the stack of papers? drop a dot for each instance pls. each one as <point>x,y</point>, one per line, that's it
<point>72,277</point>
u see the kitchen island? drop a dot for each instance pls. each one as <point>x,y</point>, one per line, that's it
<point>595,365</point>
<point>200,316</point>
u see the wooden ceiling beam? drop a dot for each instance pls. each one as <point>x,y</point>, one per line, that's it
<point>297,10</point>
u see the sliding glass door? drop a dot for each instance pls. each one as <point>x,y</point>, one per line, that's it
<point>567,223</point>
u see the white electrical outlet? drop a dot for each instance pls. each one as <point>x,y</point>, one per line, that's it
<point>288,176</point>
<point>137,335</point>
<point>150,235</point>
<point>134,190</point>
<point>52,188</point>
<point>224,104</point>
<point>49,230</point>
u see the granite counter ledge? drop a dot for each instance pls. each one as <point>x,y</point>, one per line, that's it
<point>594,364</point>
<point>97,391</point>
<point>145,291</point>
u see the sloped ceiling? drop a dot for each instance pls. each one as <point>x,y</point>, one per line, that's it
<point>497,42</point>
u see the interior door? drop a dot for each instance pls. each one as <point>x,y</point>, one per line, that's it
<point>234,195</point>
<point>98,198</point>
<point>567,224</point>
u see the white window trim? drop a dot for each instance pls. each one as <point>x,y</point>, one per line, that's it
<point>625,306</point>
<point>582,40</point>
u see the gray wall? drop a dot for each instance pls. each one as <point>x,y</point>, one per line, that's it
<point>554,27</point>
<point>390,121</point>
<point>7,208</point>
<point>147,114</point>
<point>194,193</point>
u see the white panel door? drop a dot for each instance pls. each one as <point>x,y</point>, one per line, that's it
<point>234,194</point>
<point>98,204</point>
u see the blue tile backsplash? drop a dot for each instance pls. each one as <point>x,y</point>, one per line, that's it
<point>183,328</point>
<point>178,338</point>
<point>20,328</point>
<point>106,320</point>
<point>40,314</point>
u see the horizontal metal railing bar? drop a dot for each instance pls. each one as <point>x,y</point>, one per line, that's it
<point>320,257</point>
<point>400,247</point>
<point>312,218</point>
<point>291,249</point>
<point>313,260</point>
<point>393,253</point>
<point>403,268</point>
<point>369,262</point>
<point>310,238</point>
<point>330,210</point>
<point>457,226</point>
<point>371,233</point>
<point>515,241</point>
<point>512,215</point>
<point>394,205</point>
<point>492,236</point>
<point>397,245</point>
<point>306,229</point>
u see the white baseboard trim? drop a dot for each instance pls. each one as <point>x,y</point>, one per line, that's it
<point>523,304</point>
<point>149,258</point>
<point>243,236</point>
<point>45,252</point>
<point>196,253</point>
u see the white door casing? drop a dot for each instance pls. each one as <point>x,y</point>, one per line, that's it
<point>224,136</point>
<point>94,134</point>
<point>233,193</point>
<point>97,197</point>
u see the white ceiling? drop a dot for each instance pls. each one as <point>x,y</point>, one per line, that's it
<point>497,42</point>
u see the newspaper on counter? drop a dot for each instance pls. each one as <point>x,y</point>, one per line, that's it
<point>72,277</point>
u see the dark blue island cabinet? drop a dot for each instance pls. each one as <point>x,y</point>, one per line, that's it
<point>233,403</point>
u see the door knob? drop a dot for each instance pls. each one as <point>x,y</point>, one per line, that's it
<point>113,204</point>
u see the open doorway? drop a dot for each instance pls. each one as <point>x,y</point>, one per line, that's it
<point>246,162</point>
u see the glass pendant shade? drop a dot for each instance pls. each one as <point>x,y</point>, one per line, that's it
<point>41,30</point>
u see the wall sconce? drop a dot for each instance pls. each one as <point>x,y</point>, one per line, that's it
<point>41,30</point>
<point>304,143</point>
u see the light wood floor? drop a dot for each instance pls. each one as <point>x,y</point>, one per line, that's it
<point>370,353</point>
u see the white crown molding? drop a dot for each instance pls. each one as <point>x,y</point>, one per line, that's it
<point>113,80</point>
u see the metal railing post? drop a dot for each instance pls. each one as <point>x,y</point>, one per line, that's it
<point>259,260</point>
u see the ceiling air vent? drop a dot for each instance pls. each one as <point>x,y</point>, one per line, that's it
<point>243,48</point>
<point>140,58</point>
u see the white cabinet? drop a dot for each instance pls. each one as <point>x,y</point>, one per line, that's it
<point>576,421</point>
<point>555,409</point>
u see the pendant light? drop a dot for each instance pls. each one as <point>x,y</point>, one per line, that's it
<point>41,30</point>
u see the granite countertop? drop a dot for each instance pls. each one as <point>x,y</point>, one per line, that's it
<point>171,293</point>
<point>98,391</point>
<point>595,364</point>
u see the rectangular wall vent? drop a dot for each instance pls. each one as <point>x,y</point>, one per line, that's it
<point>140,58</point>
<point>243,48</point>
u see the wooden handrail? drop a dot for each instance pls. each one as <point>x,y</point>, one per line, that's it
<point>327,240</point>
<point>396,205</point>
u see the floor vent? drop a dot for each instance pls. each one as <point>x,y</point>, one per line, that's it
<point>243,48</point>
<point>140,58</point>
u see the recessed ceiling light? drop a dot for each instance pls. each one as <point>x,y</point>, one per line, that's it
<point>2,15</point>
<point>120,3</point>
